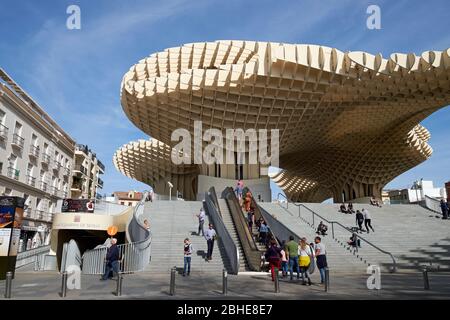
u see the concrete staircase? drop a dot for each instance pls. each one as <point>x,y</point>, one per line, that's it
<point>228,221</point>
<point>412,234</point>
<point>339,259</point>
<point>170,223</point>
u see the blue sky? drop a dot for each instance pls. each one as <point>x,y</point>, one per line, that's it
<point>75,74</point>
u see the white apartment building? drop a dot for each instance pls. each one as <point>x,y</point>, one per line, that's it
<point>417,193</point>
<point>86,174</point>
<point>36,159</point>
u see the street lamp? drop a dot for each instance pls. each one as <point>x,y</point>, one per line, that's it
<point>170,190</point>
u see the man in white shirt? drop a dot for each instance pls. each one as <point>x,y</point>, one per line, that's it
<point>201,221</point>
<point>210,236</point>
<point>367,220</point>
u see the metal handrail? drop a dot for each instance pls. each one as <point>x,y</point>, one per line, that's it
<point>135,255</point>
<point>230,248</point>
<point>394,267</point>
<point>432,204</point>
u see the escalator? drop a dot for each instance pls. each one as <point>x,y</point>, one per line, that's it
<point>252,251</point>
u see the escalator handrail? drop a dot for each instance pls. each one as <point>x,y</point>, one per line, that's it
<point>225,238</point>
<point>249,247</point>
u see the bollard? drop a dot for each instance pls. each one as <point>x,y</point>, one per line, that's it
<point>64,284</point>
<point>8,285</point>
<point>119,285</point>
<point>277,280</point>
<point>172,281</point>
<point>426,283</point>
<point>224,282</point>
<point>36,263</point>
<point>327,279</point>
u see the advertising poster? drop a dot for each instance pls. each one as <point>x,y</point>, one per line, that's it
<point>77,205</point>
<point>7,210</point>
<point>5,235</point>
<point>11,215</point>
<point>14,243</point>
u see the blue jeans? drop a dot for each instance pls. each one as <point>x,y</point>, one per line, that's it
<point>293,263</point>
<point>284,267</point>
<point>114,266</point>
<point>322,275</point>
<point>187,265</point>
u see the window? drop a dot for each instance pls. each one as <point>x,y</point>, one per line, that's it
<point>130,204</point>
<point>30,170</point>
<point>34,141</point>
<point>122,203</point>
<point>12,161</point>
<point>45,148</point>
<point>2,117</point>
<point>18,128</point>
<point>27,199</point>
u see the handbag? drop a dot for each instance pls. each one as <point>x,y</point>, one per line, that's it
<point>305,261</point>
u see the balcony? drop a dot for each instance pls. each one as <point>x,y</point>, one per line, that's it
<point>3,132</point>
<point>43,186</point>
<point>34,152</point>
<point>100,183</point>
<point>83,148</point>
<point>56,165</point>
<point>31,181</point>
<point>38,215</point>
<point>45,159</point>
<point>13,173</point>
<point>17,141</point>
<point>54,191</point>
<point>76,187</point>
<point>81,169</point>
<point>101,165</point>
<point>66,171</point>
<point>27,213</point>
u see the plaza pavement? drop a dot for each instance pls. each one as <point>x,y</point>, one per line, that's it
<point>202,286</point>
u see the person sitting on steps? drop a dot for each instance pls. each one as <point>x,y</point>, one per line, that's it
<point>343,208</point>
<point>375,202</point>
<point>322,229</point>
<point>350,208</point>
<point>354,241</point>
